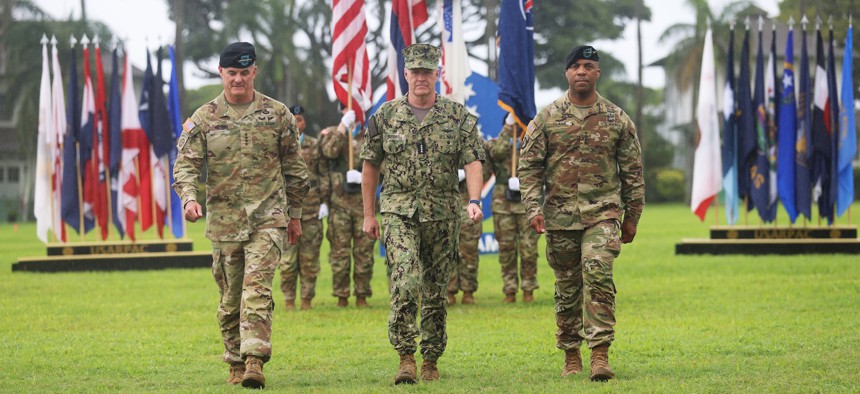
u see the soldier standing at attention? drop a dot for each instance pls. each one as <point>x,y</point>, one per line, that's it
<point>418,141</point>
<point>510,222</point>
<point>344,221</point>
<point>583,149</point>
<point>302,260</point>
<point>255,183</point>
<point>464,276</point>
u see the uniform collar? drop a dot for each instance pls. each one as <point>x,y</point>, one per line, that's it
<point>223,109</point>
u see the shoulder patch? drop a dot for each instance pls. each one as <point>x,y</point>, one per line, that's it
<point>469,122</point>
<point>188,125</point>
<point>372,130</point>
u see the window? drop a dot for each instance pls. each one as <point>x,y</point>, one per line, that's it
<point>14,174</point>
<point>4,112</point>
<point>2,175</point>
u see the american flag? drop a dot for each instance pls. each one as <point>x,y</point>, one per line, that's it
<point>406,15</point>
<point>349,28</point>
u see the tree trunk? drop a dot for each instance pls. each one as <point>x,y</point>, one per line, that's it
<point>179,49</point>
<point>490,33</point>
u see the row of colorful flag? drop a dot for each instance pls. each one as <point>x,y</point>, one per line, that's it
<point>789,140</point>
<point>350,67</point>
<point>100,158</point>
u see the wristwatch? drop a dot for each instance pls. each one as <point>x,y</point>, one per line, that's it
<point>476,202</point>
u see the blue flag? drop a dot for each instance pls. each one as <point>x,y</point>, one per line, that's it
<point>787,134</point>
<point>802,159</point>
<point>175,120</point>
<point>516,60</point>
<point>833,134</point>
<point>730,138</point>
<point>746,125</point>
<point>847,130</point>
<point>71,166</point>
<point>115,122</point>
<point>163,140</point>
<point>758,173</point>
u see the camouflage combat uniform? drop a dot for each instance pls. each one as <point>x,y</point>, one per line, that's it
<point>302,260</point>
<point>254,172</point>
<point>420,211</point>
<point>464,276</point>
<point>345,219</point>
<point>510,223</point>
<point>592,170</point>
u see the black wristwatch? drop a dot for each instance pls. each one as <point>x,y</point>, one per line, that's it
<point>476,202</point>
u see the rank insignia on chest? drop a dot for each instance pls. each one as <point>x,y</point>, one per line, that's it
<point>422,147</point>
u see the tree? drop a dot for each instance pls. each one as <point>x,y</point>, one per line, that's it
<point>19,44</point>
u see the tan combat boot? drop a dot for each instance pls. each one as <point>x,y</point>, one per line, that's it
<point>510,298</point>
<point>407,373</point>
<point>306,304</point>
<point>361,302</point>
<point>429,372</point>
<point>600,370</point>
<point>237,372</point>
<point>572,363</point>
<point>254,377</point>
<point>452,299</point>
<point>290,304</point>
<point>528,296</point>
<point>468,298</point>
<point>342,302</point>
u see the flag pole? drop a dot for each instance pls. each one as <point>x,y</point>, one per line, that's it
<point>154,205</point>
<point>139,204</point>
<point>349,66</point>
<point>81,226</point>
<point>515,140</point>
<point>168,212</point>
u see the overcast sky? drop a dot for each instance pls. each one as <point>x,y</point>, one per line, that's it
<point>145,23</point>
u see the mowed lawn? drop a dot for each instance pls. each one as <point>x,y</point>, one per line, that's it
<point>685,324</point>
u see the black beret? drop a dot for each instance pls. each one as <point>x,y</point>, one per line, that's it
<point>297,110</point>
<point>581,52</point>
<point>238,55</point>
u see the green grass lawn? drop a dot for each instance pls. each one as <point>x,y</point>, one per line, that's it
<point>685,324</point>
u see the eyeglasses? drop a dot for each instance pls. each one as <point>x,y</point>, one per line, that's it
<point>297,110</point>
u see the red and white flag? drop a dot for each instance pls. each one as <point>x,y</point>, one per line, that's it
<point>55,136</point>
<point>707,166</point>
<point>101,147</point>
<point>349,53</point>
<point>132,137</point>
<point>406,15</point>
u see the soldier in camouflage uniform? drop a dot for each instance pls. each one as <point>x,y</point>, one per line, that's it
<point>344,224</point>
<point>418,142</point>
<point>464,277</point>
<point>510,222</point>
<point>255,182</point>
<point>302,260</point>
<point>583,149</point>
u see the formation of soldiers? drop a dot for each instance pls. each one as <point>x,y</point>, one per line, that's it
<point>351,255</point>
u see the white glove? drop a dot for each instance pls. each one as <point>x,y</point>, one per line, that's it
<point>353,176</point>
<point>323,211</point>
<point>514,184</point>
<point>348,119</point>
<point>510,119</point>
<point>461,174</point>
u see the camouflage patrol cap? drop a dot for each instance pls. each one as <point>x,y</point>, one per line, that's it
<point>421,56</point>
<point>238,55</point>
